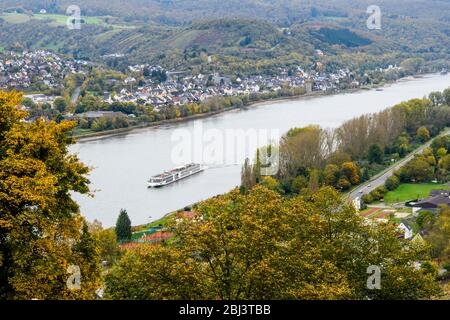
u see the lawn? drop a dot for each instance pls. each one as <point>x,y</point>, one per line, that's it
<point>409,191</point>
<point>59,19</point>
<point>62,19</point>
<point>15,17</point>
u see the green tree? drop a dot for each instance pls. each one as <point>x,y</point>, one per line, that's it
<point>41,230</point>
<point>60,104</point>
<point>442,152</point>
<point>107,242</point>
<point>314,183</point>
<point>392,183</point>
<point>123,226</point>
<point>257,168</point>
<point>437,98</point>
<point>444,163</point>
<point>331,174</point>
<point>446,95</point>
<point>422,134</point>
<point>298,184</point>
<point>344,184</point>
<point>417,170</point>
<point>375,154</point>
<point>365,175</point>
<point>247,176</point>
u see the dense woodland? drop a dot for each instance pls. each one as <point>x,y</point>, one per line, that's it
<point>238,42</point>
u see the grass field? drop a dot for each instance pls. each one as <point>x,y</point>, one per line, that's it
<point>15,17</point>
<point>58,19</point>
<point>409,191</point>
<point>62,19</point>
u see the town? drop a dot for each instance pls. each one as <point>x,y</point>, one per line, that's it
<point>42,74</point>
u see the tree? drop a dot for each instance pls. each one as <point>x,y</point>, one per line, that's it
<point>422,134</point>
<point>446,95</point>
<point>437,98</point>
<point>42,232</point>
<point>438,236</point>
<point>257,168</point>
<point>262,245</point>
<point>271,183</point>
<point>298,184</point>
<point>107,242</point>
<point>416,170</point>
<point>392,183</point>
<point>412,65</point>
<point>442,152</point>
<point>60,104</point>
<point>247,176</point>
<point>444,163</point>
<point>365,175</point>
<point>314,180</point>
<point>123,226</point>
<point>331,174</point>
<point>350,171</point>
<point>375,154</point>
<point>344,184</point>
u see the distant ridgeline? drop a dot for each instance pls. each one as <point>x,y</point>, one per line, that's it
<point>234,44</point>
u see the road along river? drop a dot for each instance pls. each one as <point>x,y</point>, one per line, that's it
<point>123,164</point>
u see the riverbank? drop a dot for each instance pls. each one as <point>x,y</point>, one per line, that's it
<point>123,164</point>
<point>133,129</point>
<point>117,132</point>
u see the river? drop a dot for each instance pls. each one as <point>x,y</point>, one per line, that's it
<point>122,164</point>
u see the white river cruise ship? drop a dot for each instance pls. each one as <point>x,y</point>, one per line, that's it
<point>176,174</point>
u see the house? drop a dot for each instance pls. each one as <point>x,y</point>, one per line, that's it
<point>406,228</point>
<point>357,203</point>
<point>221,80</point>
<point>418,239</point>
<point>433,202</point>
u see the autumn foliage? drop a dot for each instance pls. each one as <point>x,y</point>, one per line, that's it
<point>41,230</point>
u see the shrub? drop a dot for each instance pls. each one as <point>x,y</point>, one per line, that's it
<point>392,183</point>
<point>367,198</point>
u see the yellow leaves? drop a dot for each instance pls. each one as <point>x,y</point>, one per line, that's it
<point>41,224</point>
<point>264,246</point>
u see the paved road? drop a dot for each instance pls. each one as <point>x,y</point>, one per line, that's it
<point>75,95</point>
<point>381,178</point>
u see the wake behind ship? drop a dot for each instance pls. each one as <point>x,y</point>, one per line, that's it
<point>173,175</point>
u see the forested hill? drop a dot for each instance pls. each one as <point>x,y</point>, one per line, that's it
<point>240,36</point>
<point>279,11</point>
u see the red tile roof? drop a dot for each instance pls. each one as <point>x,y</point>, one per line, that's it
<point>158,236</point>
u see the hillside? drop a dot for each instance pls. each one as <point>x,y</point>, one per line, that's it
<point>256,36</point>
<point>278,11</point>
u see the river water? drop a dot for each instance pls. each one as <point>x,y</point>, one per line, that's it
<point>122,164</point>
